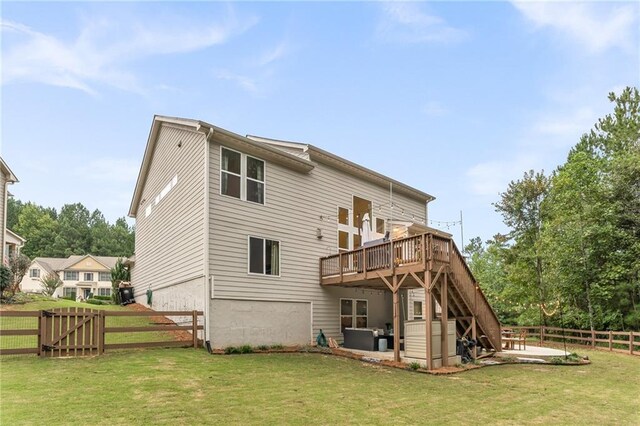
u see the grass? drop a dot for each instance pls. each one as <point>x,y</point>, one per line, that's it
<point>187,386</point>
<point>36,303</point>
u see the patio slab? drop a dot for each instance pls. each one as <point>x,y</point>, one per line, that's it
<point>533,351</point>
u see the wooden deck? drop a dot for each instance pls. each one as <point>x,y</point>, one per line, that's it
<point>430,261</point>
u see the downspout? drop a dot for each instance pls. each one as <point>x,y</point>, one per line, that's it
<point>208,132</point>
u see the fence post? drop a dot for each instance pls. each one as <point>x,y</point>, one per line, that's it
<point>101,335</point>
<point>593,338</point>
<point>195,329</point>
<point>631,342</point>
<point>610,340</point>
<point>41,333</point>
<point>541,335</point>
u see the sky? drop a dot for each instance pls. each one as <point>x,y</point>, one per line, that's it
<point>456,99</point>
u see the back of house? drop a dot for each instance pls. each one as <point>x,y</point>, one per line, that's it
<point>236,226</point>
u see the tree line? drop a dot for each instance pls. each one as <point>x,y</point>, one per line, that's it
<point>74,230</point>
<point>572,255</point>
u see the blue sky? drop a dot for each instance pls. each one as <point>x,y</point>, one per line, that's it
<point>456,99</point>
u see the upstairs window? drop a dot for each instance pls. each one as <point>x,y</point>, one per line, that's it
<point>242,176</point>
<point>71,275</point>
<point>34,273</point>
<point>264,256</point>
<point>104,276</point>
<point>231,173</point>
<point>88,276</point>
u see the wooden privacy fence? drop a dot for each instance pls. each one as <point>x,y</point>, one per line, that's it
<point>619,341</point>
<point>83,331</point>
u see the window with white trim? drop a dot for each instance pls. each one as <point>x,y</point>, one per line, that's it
<point>353,313</point>
<point>417,309</point>
<point>88,276</point>
<point>104,292</point>
<point>71,275</point>
<point>104,276</point>
<point>264,256</point>
<point>34,273</point>
<point>242,176</point>
<point>68,291</point>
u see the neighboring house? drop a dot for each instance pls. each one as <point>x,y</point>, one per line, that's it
<point>12,244</point>
<point>236,226</point>
<point>81,276</point>
<point>6,178</point>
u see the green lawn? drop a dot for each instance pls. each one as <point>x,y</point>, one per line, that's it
<point>39,303</point>
<point>188,386</point>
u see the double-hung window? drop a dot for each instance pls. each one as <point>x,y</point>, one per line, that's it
<point>88,276</point>
<point>71,275</point>
<point>104,292</point>
<point>241,176</point>
<point>104,276</point>
<point>34,273</point>
<point>264,256</point>
<point>353,313</point>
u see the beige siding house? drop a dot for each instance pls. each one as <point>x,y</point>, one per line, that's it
<point>236,225</point>
<point>6,178</point>
<point>81,276</point>
<point>12,244</point>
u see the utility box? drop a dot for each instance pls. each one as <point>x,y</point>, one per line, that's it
<point>415,345</point>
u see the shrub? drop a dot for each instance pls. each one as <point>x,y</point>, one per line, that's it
<point>246,349</point>
<point>414,365</point>
<point>71,297</point>
<point>5,278</point>
<point>50,283</point>
<point>277,346</point>
<point>107,298</point>
<point>263,348</point>
<point>95,302</point>
<point>230,350</point>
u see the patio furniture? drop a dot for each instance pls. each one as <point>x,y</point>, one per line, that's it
<point>511,337</point>
<point>359,338</point>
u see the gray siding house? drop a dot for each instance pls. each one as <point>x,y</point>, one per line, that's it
<point>6,178</point>
<point>236,226</point>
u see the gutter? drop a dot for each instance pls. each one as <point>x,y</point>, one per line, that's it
<point>208,133</point>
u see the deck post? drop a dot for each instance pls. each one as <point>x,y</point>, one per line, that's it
<point>610,340</point>
<point>428,319</point>
<point>396,321</point>
<point>631,342</point>
<point>444,322</point>
<point>474,337</point>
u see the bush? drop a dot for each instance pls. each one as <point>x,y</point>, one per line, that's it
<point>5,278</point>
<point>263,348</point>
<point>71,297</point>
<point>96,302</point>
<point>229,350</point>
<point>246,349</point>
<point>277,347</point>
<point>414,365</point>
<point>107,298</point>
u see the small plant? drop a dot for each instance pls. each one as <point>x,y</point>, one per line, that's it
<point>96,302</point>
<point>50,283</point>
<point>72,297</point>
<point>263,348</point>
<point>277,347</point>
<point>230,350</point>
<point>246,349</point>
<point>414,365</point>
<point>107,298</point>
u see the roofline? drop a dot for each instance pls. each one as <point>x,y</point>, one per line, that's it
<point>207,129</point>
<point>15,235</point>
<point>6,170</point>
<point>321,155</point>
<point>83,258</point>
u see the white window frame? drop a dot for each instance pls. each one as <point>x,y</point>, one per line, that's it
<point>421,316</point>
<point>85,276</point>
<point>102,290</point>
<point>354,310</point>
<point>264,251</point>
<point>66,290</point>
<point>34,273</point>
<point>64,275</point>
<point>108,274</point>
<point>243,177</point>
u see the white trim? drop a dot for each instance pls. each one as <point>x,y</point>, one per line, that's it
<point>243,177</point>
<point>264,250</point>
<point>353,312</point>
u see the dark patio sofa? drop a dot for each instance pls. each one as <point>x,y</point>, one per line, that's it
<point>359,338</point>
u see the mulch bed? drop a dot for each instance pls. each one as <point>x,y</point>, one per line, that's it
<point>178,335</point>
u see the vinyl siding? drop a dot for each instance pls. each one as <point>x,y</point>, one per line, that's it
<point>3,204</point>
<point>291,214</point>
<point>170,241</point>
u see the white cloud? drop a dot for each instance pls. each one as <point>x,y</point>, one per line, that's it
<point>275,53</point>
<point>491,177</point>
<point>598,27</point>
<point>104,49</point>
<point>406,22</point>
<point>246,83</point>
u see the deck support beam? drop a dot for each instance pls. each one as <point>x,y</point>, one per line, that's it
<point>396,320</point>
<point>444,322</point>
<point>474,353</point>
<point>428,315</point>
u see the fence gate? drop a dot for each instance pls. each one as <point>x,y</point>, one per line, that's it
<point>69,332</point>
